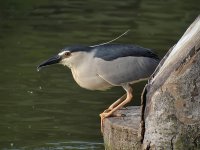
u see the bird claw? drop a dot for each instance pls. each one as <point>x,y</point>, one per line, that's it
<point>103,116</point>
<point>108,114</point>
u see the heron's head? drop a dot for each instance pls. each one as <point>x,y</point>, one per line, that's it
<point>67,56</point>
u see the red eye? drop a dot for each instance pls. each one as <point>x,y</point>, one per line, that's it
<point>67,54</point>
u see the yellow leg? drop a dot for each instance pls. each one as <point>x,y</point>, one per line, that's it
<point>115,103</point>
<point>120,105</point>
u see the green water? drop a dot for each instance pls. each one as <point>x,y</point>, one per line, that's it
<point>47,109</point>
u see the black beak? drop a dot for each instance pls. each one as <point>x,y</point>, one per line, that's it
<point>53,60</point>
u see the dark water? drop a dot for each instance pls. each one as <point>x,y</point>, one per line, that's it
<point>48,110</point>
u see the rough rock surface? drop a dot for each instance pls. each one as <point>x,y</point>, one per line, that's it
<point>172,110</point>
<point>120,133</point>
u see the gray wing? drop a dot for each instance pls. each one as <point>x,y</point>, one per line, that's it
<point>128,69</point>
<point>110,52</point>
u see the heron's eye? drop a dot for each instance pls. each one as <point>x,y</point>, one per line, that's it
<point>67,54</point>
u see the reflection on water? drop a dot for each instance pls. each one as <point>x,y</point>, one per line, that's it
<point>71,145</point>
<point>48,110</point>
<point>75,145</point>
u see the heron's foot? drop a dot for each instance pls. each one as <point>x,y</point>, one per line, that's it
<point>108,114</point>
<point>103,116</point>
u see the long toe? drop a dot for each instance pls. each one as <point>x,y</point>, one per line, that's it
<point>102,119</point>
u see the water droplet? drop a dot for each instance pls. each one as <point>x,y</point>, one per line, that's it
<point>30,92</point>
<point>11,144</point>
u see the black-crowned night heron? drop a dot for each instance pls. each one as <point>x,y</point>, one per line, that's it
<point>104,66</point>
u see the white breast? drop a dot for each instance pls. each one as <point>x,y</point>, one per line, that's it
<point>89,80</point>
<point>85,75</point>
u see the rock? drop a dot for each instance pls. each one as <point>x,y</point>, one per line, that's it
<point>120,133</point>
<point>172,110</point>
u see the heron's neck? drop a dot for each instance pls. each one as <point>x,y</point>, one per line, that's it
<point>80,59</point>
